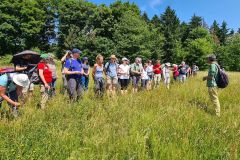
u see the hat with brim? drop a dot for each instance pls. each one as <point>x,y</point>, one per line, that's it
<point>85,58</point>
<point>168,64</point>
<point>113,57</point>
<point>77,51</point>
<point>125,59</point>
<point>21,80</point>
<point>212,57</point>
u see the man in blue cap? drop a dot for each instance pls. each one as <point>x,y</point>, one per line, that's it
<point>73,71</point>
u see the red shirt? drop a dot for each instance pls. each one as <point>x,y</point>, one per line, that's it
<point>175,71</point>
<point>157,69</point>
<point>46,72</point>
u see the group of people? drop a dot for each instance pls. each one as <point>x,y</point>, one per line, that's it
<point>115,74</point>
<point>107,77</point>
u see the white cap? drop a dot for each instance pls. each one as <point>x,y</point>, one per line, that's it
<point>168,64</point>
<point>21,80</point>
<point>125,59</point>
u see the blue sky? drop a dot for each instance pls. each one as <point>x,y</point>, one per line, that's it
<point>228,10</point>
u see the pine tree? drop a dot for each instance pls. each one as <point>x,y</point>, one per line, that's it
<point>156,21</point>
<point>195,22</point>
<point>145,17</point>
<point>171,31</point>
<point>215,32</point>
<point>223,33</point>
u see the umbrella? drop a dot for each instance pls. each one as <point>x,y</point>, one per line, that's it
<point>34,57</point>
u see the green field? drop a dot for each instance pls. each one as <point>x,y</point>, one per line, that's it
<point>160,124</point>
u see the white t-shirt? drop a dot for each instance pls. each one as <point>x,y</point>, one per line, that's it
<point>144,75</point>
<point>150,70</point>
<point>124,71</point>
<point>166,72</point>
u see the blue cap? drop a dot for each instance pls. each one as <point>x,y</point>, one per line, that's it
<point>75,50</point>
<point>85,58</point>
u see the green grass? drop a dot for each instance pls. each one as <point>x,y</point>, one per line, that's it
<point>159,124</point>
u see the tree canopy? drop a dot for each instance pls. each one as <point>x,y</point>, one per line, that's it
<point>121,29</point>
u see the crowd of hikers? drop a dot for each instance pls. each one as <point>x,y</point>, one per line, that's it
<point>108,77</point>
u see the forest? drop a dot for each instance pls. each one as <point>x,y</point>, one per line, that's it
<point>120,28</point>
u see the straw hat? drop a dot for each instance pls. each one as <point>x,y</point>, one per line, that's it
<point>113,56</point>
<point>21,80</point>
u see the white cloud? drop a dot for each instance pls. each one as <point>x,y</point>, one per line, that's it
<point>155,3</point>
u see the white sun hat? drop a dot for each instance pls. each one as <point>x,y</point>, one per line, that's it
<point>168,64</point>
<point>125,59</point>
<point>21,80</point>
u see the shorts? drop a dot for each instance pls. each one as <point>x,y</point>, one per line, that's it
<point>124,83</point>
<point>112,80</point>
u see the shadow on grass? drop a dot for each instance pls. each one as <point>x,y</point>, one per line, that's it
<point>201,105</point>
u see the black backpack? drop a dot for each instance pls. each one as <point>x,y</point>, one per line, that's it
<point>222,79</point>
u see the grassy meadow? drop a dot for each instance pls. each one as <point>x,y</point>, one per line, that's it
<point>159,124</point>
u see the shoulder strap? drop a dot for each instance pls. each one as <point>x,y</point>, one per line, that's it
<point>108,66</point>
<point>9,80</point>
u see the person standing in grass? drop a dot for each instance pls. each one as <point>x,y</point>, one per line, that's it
<point>150,74</point>
<point>67,56</point>
<point>183,70</point>
<point>157,69</point>
<point>195,70</point>
<point>136,72</point>
<point>111,69</point>
<point>175,72</point>
<point>86,71</point>
<point>98,76</point>
<point>166,74</point>
<point>124,72</point>
<point>45,75</point>
<point>53,69</point>
<point>144,78</point>
<point>211,82</point>
<point>73,71</point>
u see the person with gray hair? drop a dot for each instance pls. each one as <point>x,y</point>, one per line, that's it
<point>136,72</point>
<point>211,81</point>
<point>183,70</point>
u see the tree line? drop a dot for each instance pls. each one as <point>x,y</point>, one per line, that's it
<point>120,28</point>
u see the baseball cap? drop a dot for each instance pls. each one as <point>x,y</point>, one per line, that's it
<point>75,50</point>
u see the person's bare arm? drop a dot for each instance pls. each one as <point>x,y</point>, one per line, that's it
<point>94,71</point>
<point>43,79</point>
<point>64,57</point>
<point>19,69</point>
<point>5,97</point>
<point>67,72</point>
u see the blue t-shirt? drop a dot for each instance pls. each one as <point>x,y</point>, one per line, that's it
<point>74,65</point>
<point>85,68</point>
<point>4,82</point>
<point>111,69</point>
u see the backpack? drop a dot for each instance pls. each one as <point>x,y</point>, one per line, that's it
<point>222,79</point>
<point>35,78</point>
<point>108,66</point>
<point>6,70</point>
